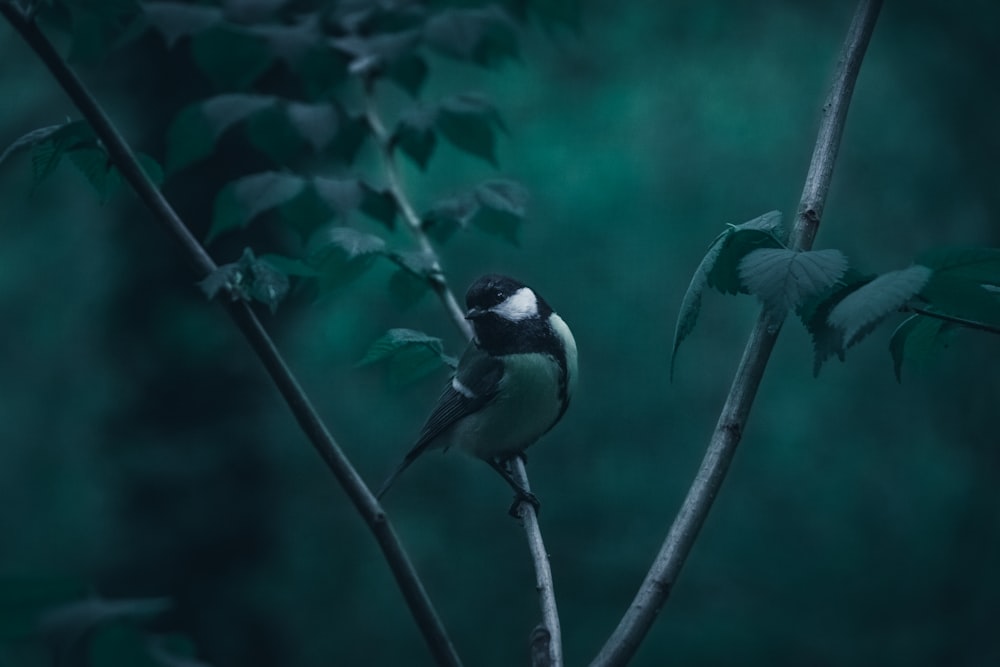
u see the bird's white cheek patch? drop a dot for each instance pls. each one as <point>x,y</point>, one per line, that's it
<point>461,388</point>
<point>520,305</point>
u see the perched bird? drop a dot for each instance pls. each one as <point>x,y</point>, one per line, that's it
<point>512,384</point>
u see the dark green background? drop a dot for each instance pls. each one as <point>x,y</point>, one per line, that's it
<point>144,452</point>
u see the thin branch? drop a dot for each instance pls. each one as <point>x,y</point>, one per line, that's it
<point>303,410</point>
<point>660,579</point>
<point>529,518</point>
<point>543,573</point>
<point>971,324</point>
<point>436,276</point>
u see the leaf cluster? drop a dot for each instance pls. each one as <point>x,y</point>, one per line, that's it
<point>944,290</point>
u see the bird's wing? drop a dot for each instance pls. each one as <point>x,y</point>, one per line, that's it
<point>473,386</point>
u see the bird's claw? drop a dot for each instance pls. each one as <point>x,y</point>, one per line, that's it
<point>523,496</point>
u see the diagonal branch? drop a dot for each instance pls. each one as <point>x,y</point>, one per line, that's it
<point>660,579</point>
<point>251,328</point>
<point>529,518</point>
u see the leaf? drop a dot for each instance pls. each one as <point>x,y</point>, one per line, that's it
<point>469,122</point>
<point>317,124</point>
<point>977,264</point>
<point>379,205</point>
<point>485,36</point>
<point>782,278</point>
<point>29,140</point>
<point>828,340</point>
<point>448,214</point>
<point>341,195</point>
<point>95,165</point>
<point>248,279</point>
<point>48,152</point>
<point>231,57</point>
<point>687,317</point>
<point>197,127</point>
<point>242,200</point>
<point>406,289</point>
<point>954,294</point>
<point>914,339</point>
<point>764,231</point>
<point>342,255</point>
<point>414,134</point>
<point>858,313</point>
<point>375,55</point>
<point>409,355</point>
<point>501,208</point>
<point>174,20</point>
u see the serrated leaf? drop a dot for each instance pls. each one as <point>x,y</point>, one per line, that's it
<point>827,340</point>
<point>289,43</point>
<point>501,208</point>
<point>341,195</point>
<point>268,284</point>
<point>448,214</point>
<point>317,124</point>
<point>409,354</point>
<point>690,308</point>
<point>342,255</point>
<point>174,20</point>
<point>29,139</point>
<point>420,264</point>
<point>197,127</point>
<point>469,122</point>
<point>96,167</point>
<point>290,266</point>
<point>914,339</point>
<point>414,134</point>
<point>782,278</point>
<point>49,151</point>
<point>858,313</point>
<point>409,73</point>
<point>242,200</point>
<point>379,205</point>
<point>250,278</point>
<point>485,36</point>
<point>354,242</point>
<point>737,242</point>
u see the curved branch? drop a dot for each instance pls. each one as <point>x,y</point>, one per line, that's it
<point>660,579</point>
<point>953,319</point>
<point>252,329</point>
<point>529,518</point>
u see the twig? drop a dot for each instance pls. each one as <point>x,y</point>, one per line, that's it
<point>413,223</point>
<point>543,573</point>
<point>660,579</point>
<point>970,324</point>
<point>303,410</point>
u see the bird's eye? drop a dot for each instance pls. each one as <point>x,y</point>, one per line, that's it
<point>499,295</point>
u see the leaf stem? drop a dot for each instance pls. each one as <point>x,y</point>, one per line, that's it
<point>436,276</point>
<point>252,329</point>
<point>663,573</point>
<point>971,324</point>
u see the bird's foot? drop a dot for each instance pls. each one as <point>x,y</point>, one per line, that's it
<point>522,496</point>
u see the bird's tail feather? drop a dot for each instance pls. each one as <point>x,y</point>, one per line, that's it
<point>410,457</point>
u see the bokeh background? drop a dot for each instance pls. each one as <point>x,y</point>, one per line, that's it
<point>143,451</point>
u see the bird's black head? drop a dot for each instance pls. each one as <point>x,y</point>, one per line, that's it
<point>506,314</point>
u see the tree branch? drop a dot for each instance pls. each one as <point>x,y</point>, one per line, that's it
<point>660,579</point>
<point>251,328</point>
<point>529,519</point>
<point>953,319</point>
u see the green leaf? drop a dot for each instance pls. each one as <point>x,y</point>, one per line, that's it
<point>49,151</point>
<point>342,255</point>
<point>690,308</point>
<point>375,55</point>
<point>954,294</point>
<point>783,279</point>
<point>242,200</point>
<point>859,312</point>
<point>341,195</point>
<point>469,122</point>
<point>248,279</point>
<point>414,134</point>
<point>196,128</point>
<point>99,27</point>
<point>976,264</point>
<point>485,36</point>
<point>95,165</point>
<point>408,354</point>
<point>449,214</point>
<point>174,20</point>
<point>914,340</point>
<point>827,340</point>
<point>737,241</point>
<point>501,208</point>
<point>317,124</point>
<point>379,205</point>
<point>29,140</point>
<point>290,266</point>
<point>231,57</point>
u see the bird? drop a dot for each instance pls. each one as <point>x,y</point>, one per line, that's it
<point>512,384</point>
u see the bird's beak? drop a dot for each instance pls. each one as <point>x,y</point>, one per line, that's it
<point>474,313</point>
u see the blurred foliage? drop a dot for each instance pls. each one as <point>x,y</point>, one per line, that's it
<point>148,456</point>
